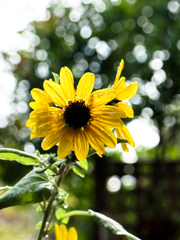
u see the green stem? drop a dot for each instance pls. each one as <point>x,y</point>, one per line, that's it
<point>50,219</point>
<point>49,206</point>
<point>76,212</point>
<point>91,152</point>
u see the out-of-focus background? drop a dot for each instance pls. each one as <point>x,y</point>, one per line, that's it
<point>139,189</point>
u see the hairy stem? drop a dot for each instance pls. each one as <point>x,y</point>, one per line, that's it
<point>49,206</point>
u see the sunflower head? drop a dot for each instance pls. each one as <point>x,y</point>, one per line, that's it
<point>74,118</point>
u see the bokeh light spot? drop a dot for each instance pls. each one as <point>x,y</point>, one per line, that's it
<point>29,147</point>
<point>113,184</point>
<point>156,64</point>
<point>128,182</point>
<point>86,32</point>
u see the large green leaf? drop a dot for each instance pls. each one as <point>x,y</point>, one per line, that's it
<point>32,188</point>
<point>111,225</point>
<point>19,156</point>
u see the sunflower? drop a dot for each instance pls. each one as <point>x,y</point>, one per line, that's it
<point>74,119</point>
<point>124,92</point>
<point>62,233</point>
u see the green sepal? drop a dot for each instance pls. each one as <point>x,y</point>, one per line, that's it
<point>122,140</point>
<point>19,156</point>
<point>78,172</point>
<point>111,225</point>
<point>60,213</point>
<point>32,188</point>
<point>56,77</point>
<point>83,164</point>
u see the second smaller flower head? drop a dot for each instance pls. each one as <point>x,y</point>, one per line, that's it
<point>124,92</point>
<point>62,233</point>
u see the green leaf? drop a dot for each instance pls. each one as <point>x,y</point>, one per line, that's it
<point>83,164</point>
<point>78,172</point>
<point>32,188</point>
<point>121,140</point>
<point>56,77</point>
<point>111,225</point>
<point>19,156</point>
<point>60,213</point>
<point>38,225</point>
<point>39,209</point>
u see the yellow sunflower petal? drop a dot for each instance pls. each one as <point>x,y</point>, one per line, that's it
<point>126,108</point>
<point>67,83</point>
<point>119,70</point>
<point>48,109</point>
<point>39,115</point>
<point>129,92</point>
<point>55,92</point>
<point>57,232</point>
<point>127,135</point>
<point>120,86</point>
<point>103,134</point>
<point>108,121</point>
<point>72,234</point>
<point>63,233</point>
<point>100,97</point>
<point>125,147</point>
<point>32,136</point>
<point>58,117</point>
<point>109,111</point>
<point>40,96</point>
<point>45,128</point>
<point>81,144</point>
<point>94,142</point>
<point>35,105</point>
<point>53,138</point>
<point>30,123</point>
<point>120,135</point>
<point>66,143</point>
<point>85,86</point>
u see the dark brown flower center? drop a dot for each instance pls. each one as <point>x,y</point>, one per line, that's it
<point>76,114</point>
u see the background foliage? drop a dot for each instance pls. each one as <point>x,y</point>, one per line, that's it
<point>94,36</point>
